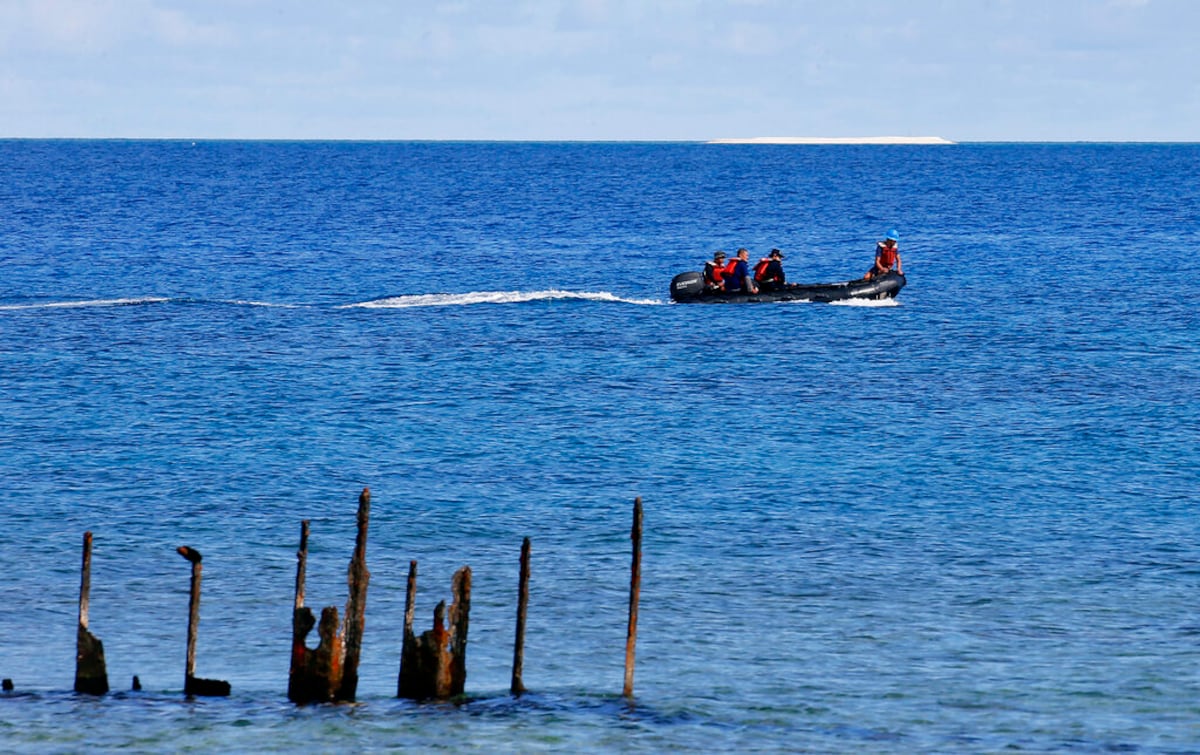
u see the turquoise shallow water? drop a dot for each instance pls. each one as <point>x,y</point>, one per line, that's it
<point>961,522</point>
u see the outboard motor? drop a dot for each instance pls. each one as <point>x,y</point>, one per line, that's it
<point>687,286</point>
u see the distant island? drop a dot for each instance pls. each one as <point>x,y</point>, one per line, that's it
<point>835,140</point>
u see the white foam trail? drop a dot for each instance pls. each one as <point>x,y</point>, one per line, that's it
<point>87,303</point>
<point>866,303</point>
<point>490,297</point>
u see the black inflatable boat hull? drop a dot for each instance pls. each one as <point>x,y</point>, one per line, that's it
<point>689,287</point>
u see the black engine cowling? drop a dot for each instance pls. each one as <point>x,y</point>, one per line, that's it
<point>687,286</point>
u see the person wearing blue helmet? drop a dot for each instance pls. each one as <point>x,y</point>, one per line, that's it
<point>887,256</point>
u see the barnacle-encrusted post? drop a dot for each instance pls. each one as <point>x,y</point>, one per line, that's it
<point>192,685</point>
<point>91,675</point>
<point>635,590</point>
<point>433,666</point>
<point>518,685</point>
<point>329,672</point>
<point>356,603</point>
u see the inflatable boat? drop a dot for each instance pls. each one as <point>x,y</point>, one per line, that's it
<point>689,287</point>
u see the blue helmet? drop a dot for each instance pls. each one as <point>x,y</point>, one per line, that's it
<point>893,235</point>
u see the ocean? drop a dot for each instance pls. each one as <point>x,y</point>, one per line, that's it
<point>960,521</point>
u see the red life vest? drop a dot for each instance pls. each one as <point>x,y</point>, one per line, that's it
<point>721,273</point>
<point>713,272</point>
<point>887,256</point>
<point>761,268</point>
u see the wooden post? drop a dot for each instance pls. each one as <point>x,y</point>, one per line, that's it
<point>193,611</point>
<point>314,675</point>
<point>301,566</point>
<point>635,590</point>
<point>518,686</point>
<point>433,666</point>
<point>329,672</point>
<point>325,661</point>
<point>460,614</point>
<point>356,602</point>
<point>91,674</point>
<point>406,682</point>
<point>302,624</point>
<point>192,685</point>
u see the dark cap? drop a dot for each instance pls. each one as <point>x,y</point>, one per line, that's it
<point>777,253</point>
<point>719,253</point>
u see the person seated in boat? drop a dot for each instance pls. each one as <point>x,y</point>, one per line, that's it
<point>887,256</point>
<point>738,277</point>
<point>768,273</point>
<point>714,271</point>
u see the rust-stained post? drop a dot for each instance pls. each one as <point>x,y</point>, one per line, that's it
<point>314,675</point>
<point>325,662</point>
<point>329,672</point>
<point>406,684</point>
<point>301,565</point>
<point>410,597</point>
<point>434,664</point>
<point>91,674</point>
<point>356,603</point>
<point>635,590</point>
<point>193,610</point>
<point>302,624</point>
<point>192,685</point>
<point>460,614</point>
<point>518,686</point>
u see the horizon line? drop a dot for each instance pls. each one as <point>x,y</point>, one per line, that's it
<point>930,140</point>
<point>780,140</point>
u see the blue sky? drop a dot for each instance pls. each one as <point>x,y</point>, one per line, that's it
<point>966,70</point>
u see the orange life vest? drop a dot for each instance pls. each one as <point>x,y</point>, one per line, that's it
<point>887,256</point>
<point>760,269</point>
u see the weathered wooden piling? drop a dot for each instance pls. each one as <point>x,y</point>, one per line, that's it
<point>518,685</point>
<point>357,578</point>
<point>635,590</point>
<point>329,672</point>
<point>91,674</point>
<point>191,684</point>
<point>314,675</point>
<point>406,680</point>
<point>433,666</point>
<point>460,615</point>
<point>302,624</point>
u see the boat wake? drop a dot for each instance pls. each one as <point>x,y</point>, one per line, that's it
<point>138,301</point>
<point>402,302</point>
<point>84,303</point>
<point>873,303</point>
<point>390,302</point>
<point>491,297</point>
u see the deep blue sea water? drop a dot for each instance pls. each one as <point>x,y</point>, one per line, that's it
<point>962,521</point>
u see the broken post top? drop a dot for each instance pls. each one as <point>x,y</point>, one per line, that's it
<point>191,554</point>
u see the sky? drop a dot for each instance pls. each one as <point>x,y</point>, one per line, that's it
<point>653,70</point>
